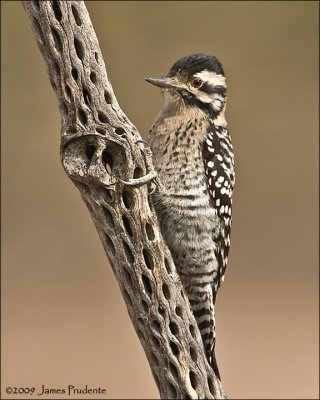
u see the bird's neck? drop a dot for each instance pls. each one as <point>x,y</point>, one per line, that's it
<point>175,112</point>
<point>178,134</point>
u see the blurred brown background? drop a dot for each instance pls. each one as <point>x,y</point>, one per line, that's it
<point>64,320</point>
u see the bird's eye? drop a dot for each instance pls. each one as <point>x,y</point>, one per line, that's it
<point>196,83</point>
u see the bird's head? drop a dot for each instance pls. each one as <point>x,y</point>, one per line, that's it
<point>198,80</point>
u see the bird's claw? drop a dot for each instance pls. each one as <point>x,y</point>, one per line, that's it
<point>146,144</point>
<point>151,177</point>
<point>136,182</point>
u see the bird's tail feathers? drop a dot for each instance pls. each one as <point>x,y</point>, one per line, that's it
<point>202,301</point>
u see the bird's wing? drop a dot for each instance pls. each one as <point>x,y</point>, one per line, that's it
<point>219,169</point>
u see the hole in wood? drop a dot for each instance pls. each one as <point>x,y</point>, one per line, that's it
<point>150,231</point>
<point>174,348</point>
<point>193,379</point>
<point>90,150</point>
<point>167,265</point>
<point>192,331</point>
<point>109,245</point>
<point>128,199</point>
<point>126,224</point>
<point>68,92</point>
<point>178,311</point>
<point>146,284</point>
<point>56,10</point>
<point>161,311</point>
<point>82,117</point>
<point>56,69</point>
<point>101,131</point>
<point>107,195</point>
<point>96,56</point>
<point>36,5</point>
<point>138,172</point>
<point>120,131</point>
<point>155,342</point>
<point>193,354</point>
<point>79,48</point>
<point>128,277</point>
<point>64,110</point>
<point>108,217</point>
<point>74,73</point>
<point>102,117</point>
<point>173,371</point>
<point>93,77</point>
<point>173,328</point>
<point>128,252</point>
<point>166,291</point>
<point>148,258</point>
<point>57,40</point>
<point>76,15</point>
<point>86,97</point>
<point>156,325</point>
<point>145,306</point>
<point>127,297</point>
<point>107,160</point>
<point>107,97</point>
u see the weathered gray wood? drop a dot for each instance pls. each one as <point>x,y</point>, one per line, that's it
<point>99,144</point>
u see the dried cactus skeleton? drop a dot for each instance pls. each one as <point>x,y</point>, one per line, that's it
<point>99,145</point>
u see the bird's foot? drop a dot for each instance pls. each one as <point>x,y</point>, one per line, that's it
<point>151,177</point>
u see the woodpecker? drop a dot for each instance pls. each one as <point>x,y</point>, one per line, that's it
<point>193,156</point>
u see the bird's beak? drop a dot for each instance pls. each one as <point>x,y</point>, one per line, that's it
<point>166,83</point>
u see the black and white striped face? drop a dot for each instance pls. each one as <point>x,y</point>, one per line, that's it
<point>208,87</point>
<point>199,80</point>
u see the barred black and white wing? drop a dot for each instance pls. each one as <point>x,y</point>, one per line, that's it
<point>219,169</point>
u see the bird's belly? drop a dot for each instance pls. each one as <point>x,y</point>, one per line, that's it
<point>190,226</point>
